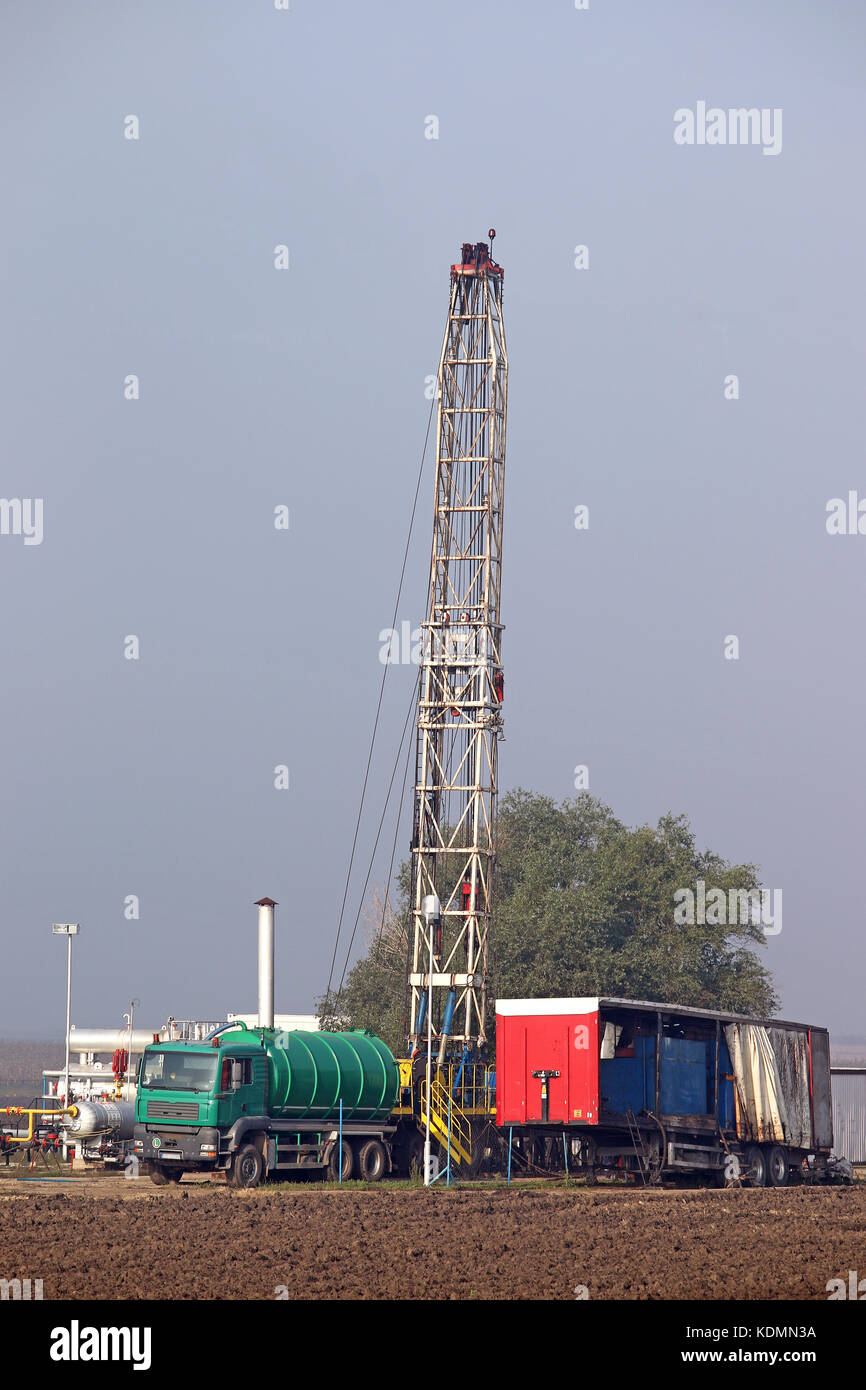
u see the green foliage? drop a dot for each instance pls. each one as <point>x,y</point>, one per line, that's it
<point>584,906</point>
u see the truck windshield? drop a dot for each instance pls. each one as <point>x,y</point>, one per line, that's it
<point>178,1071</point>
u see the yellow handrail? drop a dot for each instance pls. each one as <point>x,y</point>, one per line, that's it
<point>471,1086</point>
<point>459,1139</point>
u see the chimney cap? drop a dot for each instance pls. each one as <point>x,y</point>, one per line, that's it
<point>265,902</point>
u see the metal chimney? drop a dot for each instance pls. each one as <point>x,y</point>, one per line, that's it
<point>266,962</point>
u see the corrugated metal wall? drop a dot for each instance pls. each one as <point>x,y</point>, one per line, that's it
<point>849,1112</point>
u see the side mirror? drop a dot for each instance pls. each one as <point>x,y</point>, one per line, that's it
<point>237,1075</point>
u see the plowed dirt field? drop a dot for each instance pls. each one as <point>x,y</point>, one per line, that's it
<point>111,1238</point>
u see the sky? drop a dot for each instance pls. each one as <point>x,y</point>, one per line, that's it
<point>693,378</point>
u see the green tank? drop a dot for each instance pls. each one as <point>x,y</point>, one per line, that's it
<point>310,1073</point>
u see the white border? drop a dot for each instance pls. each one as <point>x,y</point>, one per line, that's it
<point>531,1007</point>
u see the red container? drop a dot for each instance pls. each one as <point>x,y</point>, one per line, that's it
<point>553,1036</point>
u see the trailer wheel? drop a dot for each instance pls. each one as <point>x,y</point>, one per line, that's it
<point>247,1167</point>
<point>778,1167</point>
<point>756,1165</point>
<point>416,1157</point>
<point>373,1161</point>
<point>348,1162</point>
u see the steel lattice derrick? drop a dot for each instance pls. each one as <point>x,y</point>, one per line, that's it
<point>461,680</point>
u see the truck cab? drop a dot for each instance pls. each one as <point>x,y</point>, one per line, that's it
<point>194,1101</point>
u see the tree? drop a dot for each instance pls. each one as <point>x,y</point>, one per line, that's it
<point>584,905</point>
<point>375,992</point>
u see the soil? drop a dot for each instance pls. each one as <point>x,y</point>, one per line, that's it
<point>108,1237</point>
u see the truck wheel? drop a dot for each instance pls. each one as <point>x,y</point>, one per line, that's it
<point>778,1166</point>
<point>158,1177</point>
<point>415,1154</point>
<point>247,1167</point>
<point>373,1161</point>
<point>348,1162</point>
<point>756,1165</point>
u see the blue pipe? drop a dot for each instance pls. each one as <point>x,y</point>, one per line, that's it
<point>449,1012</point>
<point>214,1032</point>
<point>446,1023</point>
<point>463,1060</point>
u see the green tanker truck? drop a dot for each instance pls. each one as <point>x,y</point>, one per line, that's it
<point>253,1102</point>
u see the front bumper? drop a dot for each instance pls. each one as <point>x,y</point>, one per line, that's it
<point>169,1144</point>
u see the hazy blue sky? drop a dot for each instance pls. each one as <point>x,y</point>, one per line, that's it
<point>305,387</point>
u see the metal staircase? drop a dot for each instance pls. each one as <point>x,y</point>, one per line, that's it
<point>455,1137</point>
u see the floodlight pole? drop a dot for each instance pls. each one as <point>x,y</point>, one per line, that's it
<point>68,1015</point>
<point>67,929</point>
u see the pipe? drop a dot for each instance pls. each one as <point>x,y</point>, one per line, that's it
<point>266,962</point>
<point>221,1028</point>
<point>20,1110</point>
<point>446,1024</point>
<point>110,1039</point>
<point>429,1087</point>
<point>422,1014</point>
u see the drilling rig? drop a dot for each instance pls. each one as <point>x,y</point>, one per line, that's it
<point>461,680</point>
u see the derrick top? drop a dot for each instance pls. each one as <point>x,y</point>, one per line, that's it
<point>477,259</point>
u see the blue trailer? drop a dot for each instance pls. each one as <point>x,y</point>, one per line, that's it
<point>659,1090</point>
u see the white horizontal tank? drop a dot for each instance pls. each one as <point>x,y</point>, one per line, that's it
<point>286,1023</point>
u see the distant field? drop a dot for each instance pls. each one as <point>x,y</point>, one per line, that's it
<point>22,1065</point>
<point>847,1054</point>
